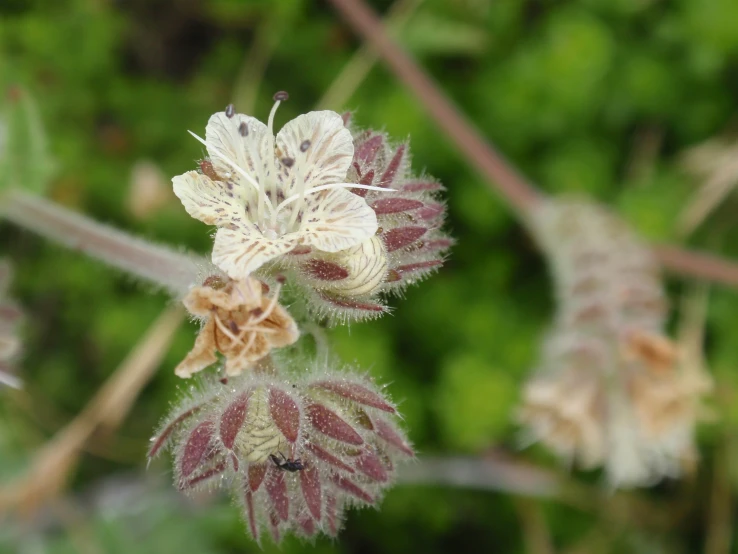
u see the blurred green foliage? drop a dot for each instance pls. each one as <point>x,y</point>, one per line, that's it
<point>586,96</point>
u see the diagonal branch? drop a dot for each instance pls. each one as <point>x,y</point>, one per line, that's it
<point>515,189</point>
<point>172,270</point>
<point>699,265</point>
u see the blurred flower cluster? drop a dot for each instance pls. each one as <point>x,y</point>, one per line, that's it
<point>611,389</point>
<point>331,220</point>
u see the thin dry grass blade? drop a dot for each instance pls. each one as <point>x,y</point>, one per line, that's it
<point>52,464</point>
<point>361,63</point>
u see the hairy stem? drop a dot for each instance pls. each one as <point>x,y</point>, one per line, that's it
<point>160,265</point>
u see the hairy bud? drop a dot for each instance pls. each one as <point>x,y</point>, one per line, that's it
<point>295,452</point>
<point>409,244</point>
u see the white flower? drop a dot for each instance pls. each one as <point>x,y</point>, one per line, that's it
<point>271,194</point>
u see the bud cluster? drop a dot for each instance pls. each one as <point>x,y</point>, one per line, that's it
<point>611,390</point>
<point>408,246</point>
<point>295,452</point>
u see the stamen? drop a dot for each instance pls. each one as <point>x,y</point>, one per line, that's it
<point>304,146</point>
<point>224,329</point>
<point>243,129</point>
<point>230,111</point>
<point>278,99</point>
<point>270,121</point>
<point>245,349</point>
<point>270,307</point>
<point>333,186</point>
<point>235,166</point>
<point>299,181</point>
<point>288,162</point>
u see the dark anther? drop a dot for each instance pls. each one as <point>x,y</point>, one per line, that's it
<point>304,146</point>
<point>243,129</point>
<point>233,327</point>
<point>215,282</point>
<point>281,96</point>
<point>281,279</point>
<point>230,111</point>
<point>288,162</point>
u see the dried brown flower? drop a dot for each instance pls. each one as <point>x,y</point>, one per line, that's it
<point>241,323</point>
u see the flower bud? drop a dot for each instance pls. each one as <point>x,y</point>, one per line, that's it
<point>296,452</point>
<point>409,244</point>
<point>356,272</point>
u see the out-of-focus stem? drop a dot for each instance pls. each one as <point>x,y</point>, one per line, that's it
<point>536,536</point>
<point>697,264</point>
<point>246,88</point>
<point>521,195</point>
<point>501,474</point>
<point>167,268</point>
<point>362,62</point>
<point>516,190</point>
<point>481,474</point>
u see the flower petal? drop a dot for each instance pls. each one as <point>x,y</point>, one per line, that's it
<point>244,141</point>
<point>212,202</point>
<point>240,253</point>
<point>202,354</point>
<point>336,219</point>
<point>320,150</point>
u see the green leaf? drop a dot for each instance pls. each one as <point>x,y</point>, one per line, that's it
<point>24,156</point>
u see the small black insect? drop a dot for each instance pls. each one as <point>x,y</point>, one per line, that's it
<point>285,464</point>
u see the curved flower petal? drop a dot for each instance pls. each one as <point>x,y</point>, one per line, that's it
<point>336,219</point>
<point>320,149</point>
<point>202,354</point>
<point>212,202</point>
<point>244,140</point>
<point>239,253</point>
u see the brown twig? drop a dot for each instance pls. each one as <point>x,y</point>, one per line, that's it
<point>697,264</point>
<point>51,466</point>
<point>515,189</point>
